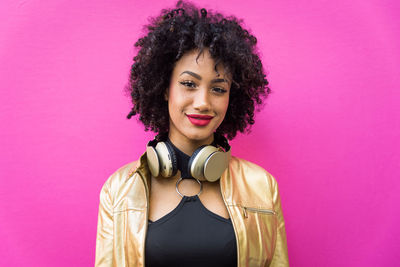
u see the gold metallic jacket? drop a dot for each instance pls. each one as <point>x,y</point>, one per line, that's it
<point>250,195</point>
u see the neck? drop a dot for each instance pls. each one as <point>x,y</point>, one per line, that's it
<point>188,146</point>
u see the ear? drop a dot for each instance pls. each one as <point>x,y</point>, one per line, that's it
<point>166,93</point>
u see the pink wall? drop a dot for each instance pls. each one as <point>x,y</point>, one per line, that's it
<point>329,133</point>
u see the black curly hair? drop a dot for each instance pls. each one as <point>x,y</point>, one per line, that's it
<point>177,31</point>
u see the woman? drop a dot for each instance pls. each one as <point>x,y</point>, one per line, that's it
<point>186,201</point>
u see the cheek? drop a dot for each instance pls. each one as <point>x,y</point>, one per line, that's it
<point>224,105</point>
<point>176,103</point>
<point>173,98</point>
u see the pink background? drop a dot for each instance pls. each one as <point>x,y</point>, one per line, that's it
<point>329,133</point>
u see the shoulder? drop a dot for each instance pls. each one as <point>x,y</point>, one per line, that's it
<point>120,177</point>
<point>252,185</point>
<point>251,171</point>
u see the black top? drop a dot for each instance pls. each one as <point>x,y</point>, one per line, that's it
<point>190,235</point>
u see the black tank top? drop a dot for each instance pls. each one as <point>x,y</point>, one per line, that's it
<point>190,235</point>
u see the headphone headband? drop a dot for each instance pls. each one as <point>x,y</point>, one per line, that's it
<point>219,141</point>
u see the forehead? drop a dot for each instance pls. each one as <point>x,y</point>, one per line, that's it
<point>201,63</point>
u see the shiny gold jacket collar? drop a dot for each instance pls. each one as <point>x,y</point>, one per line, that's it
<point>250,195</point>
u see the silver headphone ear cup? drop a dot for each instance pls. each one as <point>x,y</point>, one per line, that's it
<point>166,167</point>
<point>196,163</point>
<point>153,161</point>
<point>214,166</point>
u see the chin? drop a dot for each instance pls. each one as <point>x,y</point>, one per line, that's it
<point>199,136</point>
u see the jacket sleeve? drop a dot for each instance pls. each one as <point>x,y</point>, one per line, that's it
<point>104,239</point>
<point>280,257</point>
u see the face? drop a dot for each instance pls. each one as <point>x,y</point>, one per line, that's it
<point>198,97</point>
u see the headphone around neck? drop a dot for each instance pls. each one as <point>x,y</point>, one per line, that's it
<point>207,163</point>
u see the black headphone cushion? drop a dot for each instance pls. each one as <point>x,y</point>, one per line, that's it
<point>173,158</point>
<point>194,155</point>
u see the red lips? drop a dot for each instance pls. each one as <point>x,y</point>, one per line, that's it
<point>199,120</point>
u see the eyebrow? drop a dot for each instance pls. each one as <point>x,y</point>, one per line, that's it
<point>198,77</point>
<point>219,80</point>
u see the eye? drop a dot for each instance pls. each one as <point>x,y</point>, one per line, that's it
<point>219,90</point>
<point>189,84</point>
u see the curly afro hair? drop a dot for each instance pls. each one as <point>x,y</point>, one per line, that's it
<point>177,31</point>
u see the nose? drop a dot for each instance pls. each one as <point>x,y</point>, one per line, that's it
<point>201,101</point>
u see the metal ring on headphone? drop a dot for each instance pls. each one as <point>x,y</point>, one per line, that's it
<point>180,179</point>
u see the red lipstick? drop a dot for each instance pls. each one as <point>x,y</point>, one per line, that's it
<point>199,120</point>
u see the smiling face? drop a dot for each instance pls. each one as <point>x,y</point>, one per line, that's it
<point>198,97</point>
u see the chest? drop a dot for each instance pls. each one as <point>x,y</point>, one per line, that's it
<point>164,197</point>
<point>255,229</point>
<point>190,235</point>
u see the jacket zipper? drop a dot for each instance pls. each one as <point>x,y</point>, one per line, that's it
<point>147,214</point>
<point>245,209</point>
<point>230,216</point>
